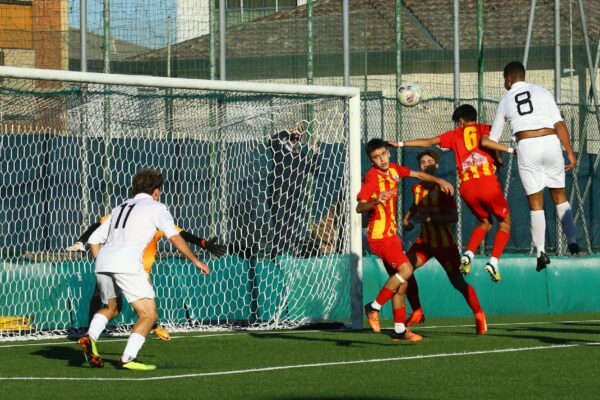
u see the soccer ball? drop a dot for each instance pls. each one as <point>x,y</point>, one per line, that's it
<point>409,94</point>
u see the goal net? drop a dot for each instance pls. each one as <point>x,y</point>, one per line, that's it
<point>270,170</point>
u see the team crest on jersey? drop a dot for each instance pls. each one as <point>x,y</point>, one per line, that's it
<point>474,160</point>
<point>395,176</point>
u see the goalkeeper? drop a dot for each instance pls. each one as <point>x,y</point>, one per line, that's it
<point>148,259</point>
<point>294,164</point>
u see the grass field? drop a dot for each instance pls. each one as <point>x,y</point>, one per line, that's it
<point>537,357</point>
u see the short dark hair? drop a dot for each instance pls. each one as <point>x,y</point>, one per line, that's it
<point>433,154</point>
<point>466,112</point>
<point>516,69</point>
<point>375,144</point>
<point>146,180</point>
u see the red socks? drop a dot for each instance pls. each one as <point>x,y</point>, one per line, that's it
<point>476,238</point>
<point>500,242</point>
<point>400,315</point>
<point>472,299</point>
<point>384,296</point>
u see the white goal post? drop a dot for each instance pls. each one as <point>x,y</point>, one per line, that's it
<point>285,207</point>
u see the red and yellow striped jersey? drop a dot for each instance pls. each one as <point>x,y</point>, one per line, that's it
<point>382,218</point>
<point>472,162</point>
<point>149,256</point>
<point>434,201</point>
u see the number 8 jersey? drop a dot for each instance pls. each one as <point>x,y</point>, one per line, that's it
<point>526,107</point>
<point>472,162</point>
<point>127,232</point>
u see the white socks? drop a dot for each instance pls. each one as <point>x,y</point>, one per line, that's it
<point>399,327</point>
<point>567,221</point>
<point>494,262</point>
<point>538,230</point>
<point>376,305</point>
<point>97,326</point>
<point>134,344</point>
<point>469,254</point>
<point>538,226</point>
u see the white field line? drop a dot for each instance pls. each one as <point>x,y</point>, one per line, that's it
<point>297,366</point>
<point>37,344</point>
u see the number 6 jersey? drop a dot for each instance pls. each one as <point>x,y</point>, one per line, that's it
<point>472,162</point>
<point>127,232</point>
<point>526,107</point>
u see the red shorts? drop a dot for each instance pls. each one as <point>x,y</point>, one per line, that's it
<point>390,251</point>
<point>484,197</point>
<point>448,257</point>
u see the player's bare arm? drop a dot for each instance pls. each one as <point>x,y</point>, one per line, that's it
<point>366,206</point>
<point>95,249</point>
<point>417,143</point>
<point>490,144</point>
<point>444,186</point>
<point>563,135</point>
<point>182,246</point>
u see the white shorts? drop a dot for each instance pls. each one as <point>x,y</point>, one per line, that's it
<point>133,286</point>
<point>541,163</point>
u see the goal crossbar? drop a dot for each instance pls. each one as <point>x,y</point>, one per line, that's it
<point>175,83</point>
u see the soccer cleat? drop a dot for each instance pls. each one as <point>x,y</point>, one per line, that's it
<point>494,273</point>
<point>465,265</point>
<point>574,248</point>
<point>136,366</point>
<point>480,324</point>
<point>88,345</point>
<point>542,261</point>
<point>162,333</point>
<point>417,317</point>
<point>372,318</point>
<point>406,335</point>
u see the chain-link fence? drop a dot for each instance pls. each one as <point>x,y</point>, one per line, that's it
<point>297,41</point>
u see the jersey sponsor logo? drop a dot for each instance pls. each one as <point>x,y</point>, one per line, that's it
<point>474,160</point>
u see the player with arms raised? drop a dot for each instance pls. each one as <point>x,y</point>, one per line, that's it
<point>537,124</point>
<point>118,245</point>
<point>377,197</point>
<point>436,211</point>
<point>479,185</point>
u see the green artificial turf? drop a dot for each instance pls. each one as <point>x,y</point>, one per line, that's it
<point>556,360</point>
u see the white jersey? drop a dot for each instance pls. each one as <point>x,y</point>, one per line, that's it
<point>526,107</point>
<point>127,232</point>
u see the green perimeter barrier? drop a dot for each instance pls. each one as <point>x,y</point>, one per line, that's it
<point>568,284</point>
<point>57,294</point>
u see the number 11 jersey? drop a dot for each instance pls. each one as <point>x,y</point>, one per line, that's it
<point>127,232</point>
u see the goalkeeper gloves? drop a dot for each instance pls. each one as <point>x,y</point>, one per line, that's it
<point>77,246</point>
<point>213,247</point>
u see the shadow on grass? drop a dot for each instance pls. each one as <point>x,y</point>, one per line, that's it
<point>343,342</point>
<point>542,333</point>
<point>71,354</point>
